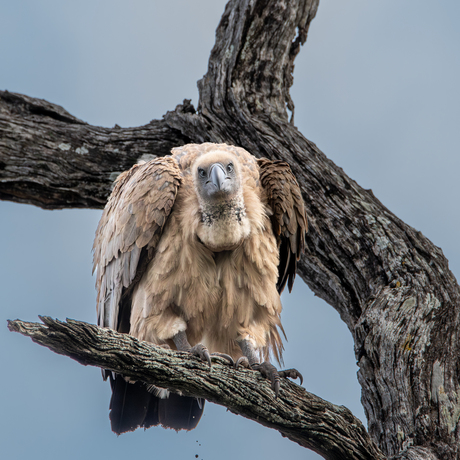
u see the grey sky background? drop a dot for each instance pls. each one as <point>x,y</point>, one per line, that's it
<point>376,88</point>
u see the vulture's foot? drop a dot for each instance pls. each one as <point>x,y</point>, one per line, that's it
<point>292,374</point>
<point>269,372</point>
<point>202,352</point>
<point>243,361</point>
<point>223,356</point>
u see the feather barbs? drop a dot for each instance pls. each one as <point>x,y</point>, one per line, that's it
<point>162,263</point>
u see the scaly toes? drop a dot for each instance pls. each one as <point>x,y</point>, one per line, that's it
<point>242,361</point>
<point>224,356</point>
<point>201,352</point>
<point>269,372</point>
<point>292,374</point>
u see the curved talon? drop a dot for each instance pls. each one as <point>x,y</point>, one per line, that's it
<point>201,352</point>
<point>292,374</point>
<point>224,356</point>
<point>242,361</point>
<point>276,386</point>
<point>269,372</point>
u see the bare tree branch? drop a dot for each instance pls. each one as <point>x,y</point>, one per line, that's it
<point>53,160</point>
<point>332,431</point>
<point>391,285</point>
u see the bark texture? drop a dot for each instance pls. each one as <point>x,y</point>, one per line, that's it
<point>53,160</point>
<point>390,284</point>
<point>330,430</point>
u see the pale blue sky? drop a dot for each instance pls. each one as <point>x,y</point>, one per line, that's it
<point>376,88</point>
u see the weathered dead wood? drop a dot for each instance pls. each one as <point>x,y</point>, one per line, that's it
<point>330,430</point>
<point>391,285</point>
<point>53,160</point>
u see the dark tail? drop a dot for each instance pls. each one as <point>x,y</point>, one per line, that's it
<point>133,406</point>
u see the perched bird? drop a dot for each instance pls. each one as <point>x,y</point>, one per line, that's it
<point>192,252</point>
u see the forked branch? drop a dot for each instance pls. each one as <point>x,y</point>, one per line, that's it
<point>391,285</point>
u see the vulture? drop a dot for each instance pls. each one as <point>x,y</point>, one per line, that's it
<point>192,252</point>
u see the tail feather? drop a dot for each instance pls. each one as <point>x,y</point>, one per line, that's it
<point>133,406</point>
<point>180,412</point>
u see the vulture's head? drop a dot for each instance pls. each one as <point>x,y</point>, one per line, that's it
<point>217,176</point>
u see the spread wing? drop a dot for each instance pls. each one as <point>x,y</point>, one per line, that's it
<point>288,219</point>
<point>128,232</point>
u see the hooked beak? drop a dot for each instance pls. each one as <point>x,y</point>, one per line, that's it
<point>217,175</point>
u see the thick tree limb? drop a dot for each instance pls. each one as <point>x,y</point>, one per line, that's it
<point>332,431</point>
<point>53,160</point>
<point>391,285</point>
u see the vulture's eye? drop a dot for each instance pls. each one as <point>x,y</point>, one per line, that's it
<point>230,167</point>
<point>201,172</point>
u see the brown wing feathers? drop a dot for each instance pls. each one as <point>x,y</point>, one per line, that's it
<point>129,233</point>
<point>288,219</point>
<point>129,230</point>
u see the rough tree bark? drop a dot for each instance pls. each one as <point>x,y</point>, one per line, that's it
<point>392,286</point>
<point>330,430</point>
